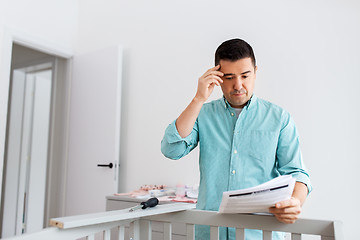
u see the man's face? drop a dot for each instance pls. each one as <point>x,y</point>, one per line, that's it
<point>239,80</point>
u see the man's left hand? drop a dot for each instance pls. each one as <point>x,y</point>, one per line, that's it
<point>287,211</point>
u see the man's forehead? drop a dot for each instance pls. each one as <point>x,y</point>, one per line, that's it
<point>241,66</point>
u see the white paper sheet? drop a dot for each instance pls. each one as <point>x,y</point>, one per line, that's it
<point>260,198</point>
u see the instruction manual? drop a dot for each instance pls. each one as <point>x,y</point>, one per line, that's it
<point>260,198</point>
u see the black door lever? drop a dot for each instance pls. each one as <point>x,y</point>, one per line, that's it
<point>110,165</point>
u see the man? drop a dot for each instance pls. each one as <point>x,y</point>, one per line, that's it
<point>244,140</point>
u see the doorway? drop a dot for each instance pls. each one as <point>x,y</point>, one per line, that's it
<point>35,147</point>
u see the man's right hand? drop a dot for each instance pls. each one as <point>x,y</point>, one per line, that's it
<point>186,120</point>
<point>207,83</point>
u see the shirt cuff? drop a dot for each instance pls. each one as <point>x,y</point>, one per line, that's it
<point>301,177</point>
<point>172,135</point>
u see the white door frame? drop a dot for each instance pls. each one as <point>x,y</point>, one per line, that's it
<point>12,36</point>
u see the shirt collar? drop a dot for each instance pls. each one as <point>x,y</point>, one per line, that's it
<point>249,104</point>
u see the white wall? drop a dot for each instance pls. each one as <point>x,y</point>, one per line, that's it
<point>53,23</point>
<point>308,57</point>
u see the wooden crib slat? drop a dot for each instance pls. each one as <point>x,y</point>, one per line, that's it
<point>107,234</point>
<point>190,231</point>
<point>167,231</point>
<point>145,229</point>
<point>121,233</point>
<point>135,230</point>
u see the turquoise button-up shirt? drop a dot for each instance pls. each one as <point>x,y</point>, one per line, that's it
<point>238,152</point>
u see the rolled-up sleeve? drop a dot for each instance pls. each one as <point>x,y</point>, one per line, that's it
<point>288,154</point>
<point>174,146</point>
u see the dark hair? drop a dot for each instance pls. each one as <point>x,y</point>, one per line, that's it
<point>233,50</point>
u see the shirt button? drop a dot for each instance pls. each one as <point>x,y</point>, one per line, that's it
<point>235,151</point>
<point>232,114</point>
<point>233,171</point>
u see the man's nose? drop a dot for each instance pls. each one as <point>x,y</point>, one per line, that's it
<point>238,83</point>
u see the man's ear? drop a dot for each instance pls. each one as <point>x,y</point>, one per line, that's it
<point>255,69</point>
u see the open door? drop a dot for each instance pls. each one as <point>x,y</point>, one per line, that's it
<point>33,133</point>
<point>94,130</point>
<point>27,149</point>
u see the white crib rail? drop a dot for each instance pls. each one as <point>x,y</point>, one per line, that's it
<point>324,228</point>
<point>88,225</point>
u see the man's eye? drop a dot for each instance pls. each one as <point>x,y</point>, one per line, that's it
<point>245,76</point>
<point>229,78</point>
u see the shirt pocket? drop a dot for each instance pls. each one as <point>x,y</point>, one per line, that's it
<point>263,144</point>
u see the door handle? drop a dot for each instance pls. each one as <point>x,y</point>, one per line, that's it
<point>110,165</point>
